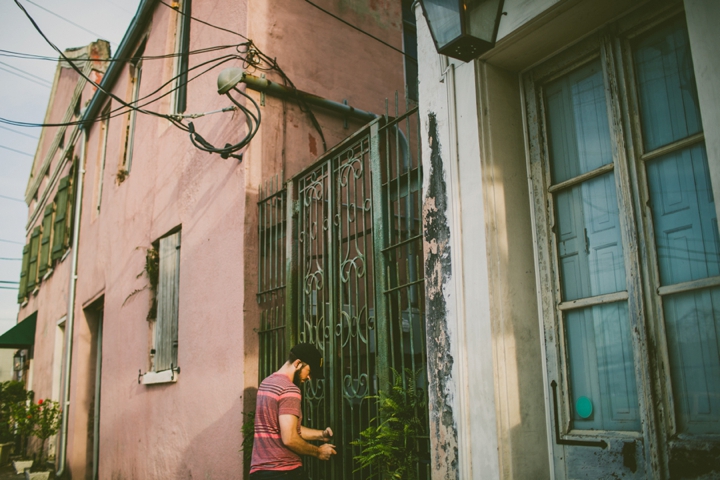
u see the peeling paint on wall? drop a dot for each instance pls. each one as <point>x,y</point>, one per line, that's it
<point>438,269</point>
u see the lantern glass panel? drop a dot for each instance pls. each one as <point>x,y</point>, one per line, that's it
<point>444,19</point>
<point>482,18</point>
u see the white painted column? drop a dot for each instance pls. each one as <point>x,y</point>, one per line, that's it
<point>703,18</point>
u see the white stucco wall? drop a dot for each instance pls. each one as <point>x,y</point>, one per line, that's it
<point>703,18</point>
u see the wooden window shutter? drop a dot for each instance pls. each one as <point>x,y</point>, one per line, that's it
<point>22,291</point>
<point>45,244</point>
<point>166,326</point>
<point>60,228</point>
<point>32,277</point>
<point>70,208</point>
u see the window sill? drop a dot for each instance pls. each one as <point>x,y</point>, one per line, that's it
<point>152,378</point>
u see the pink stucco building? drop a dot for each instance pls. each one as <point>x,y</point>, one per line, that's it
<point>145,300</point>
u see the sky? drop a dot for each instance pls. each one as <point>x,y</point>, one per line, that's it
<point>24,93</point>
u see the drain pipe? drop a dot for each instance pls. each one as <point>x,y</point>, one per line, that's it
<point>232,76</point>
<point>71,307</point>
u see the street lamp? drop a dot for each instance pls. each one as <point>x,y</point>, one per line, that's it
<point>463,29</point>
<point>19,361</point>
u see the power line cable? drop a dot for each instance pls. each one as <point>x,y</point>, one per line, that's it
<point>19,133</point>
<point>32,56</point>
<point>8,288</point>
<point>11,241</point>
<point>205,22</point>
<point>12,198</point>
<point>26,73</point>
<point>180,125</point>
<point>65,19</point>
<point>10,259</point>
<point>25,78</point>
<point>7,282</point>
<point>360,30</point>
<point>123,110</point>
<point>17,151</point>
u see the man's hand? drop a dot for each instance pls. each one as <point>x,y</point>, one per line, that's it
<point>326,450</point>
<point>327,433</point>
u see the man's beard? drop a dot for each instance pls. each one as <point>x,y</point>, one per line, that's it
<point>296,379</point>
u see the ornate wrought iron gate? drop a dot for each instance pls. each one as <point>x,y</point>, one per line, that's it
<point>353,235</point>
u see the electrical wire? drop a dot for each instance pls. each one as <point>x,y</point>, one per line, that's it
<point>253,123</point>
<point>360,30</point>
<point>12,198</point>
<point>10,241</point>
<point>25,78</point>
<point>204,22</point>
<point>17,151</point>
<point>65,19</point>
<point>19,133</point>
<point>32,56</point>
<point>74,67</point>
<point>25,72</point>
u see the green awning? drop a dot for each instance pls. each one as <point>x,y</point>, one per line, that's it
<point>21,335</point>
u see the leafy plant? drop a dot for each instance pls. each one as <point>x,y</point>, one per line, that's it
<point>22,419</point>
<point>47,421</point>
<point>11,392</point>
<point>248,433</point>
<point>121,175</point>
<point>152,270</point>
<point>389,443</point>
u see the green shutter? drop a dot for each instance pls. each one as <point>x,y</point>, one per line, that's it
<point>70,210</point>
<point>46,236</point>
<point>60,229</point>
<point>24,273</point>
<point>32,277</point>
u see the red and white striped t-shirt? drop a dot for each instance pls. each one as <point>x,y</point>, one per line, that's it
<point>276,396</point>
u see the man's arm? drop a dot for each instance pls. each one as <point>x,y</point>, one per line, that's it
<point>291,439</point>
<point>311,434</point>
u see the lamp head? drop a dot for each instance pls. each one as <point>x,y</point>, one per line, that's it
<point>228,78</point>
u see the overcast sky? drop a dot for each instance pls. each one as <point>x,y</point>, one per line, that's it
<point>24,93</point>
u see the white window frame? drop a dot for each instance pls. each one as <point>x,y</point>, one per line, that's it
<point>643,291</point>
<point>164,354</point>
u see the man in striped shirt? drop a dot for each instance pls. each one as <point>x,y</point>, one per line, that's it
<point>280,438</point>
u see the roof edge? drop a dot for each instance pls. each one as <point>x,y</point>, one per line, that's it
<point>125,50</point>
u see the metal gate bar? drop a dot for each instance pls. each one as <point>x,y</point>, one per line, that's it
<point>354,270</point>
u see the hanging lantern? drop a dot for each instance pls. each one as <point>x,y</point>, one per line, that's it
<point>463,29</point>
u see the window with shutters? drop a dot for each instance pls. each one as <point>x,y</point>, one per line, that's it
<point>164,352</point>
<point>45,244</point>
<point>104,128</point>
<point>182,49</point>
<point>32,272</point>
<point>63,218</point>
<point>24,270</point>
<point>135,70</point>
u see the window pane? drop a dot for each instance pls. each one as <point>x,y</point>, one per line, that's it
<point>579,134</point>
<point>589,244</point>
<point>684,217</point>
<point>692,320</point>
<point>601,367</point>
<point>666,86</point>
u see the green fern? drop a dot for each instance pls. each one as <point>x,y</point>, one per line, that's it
<point>388,445</point>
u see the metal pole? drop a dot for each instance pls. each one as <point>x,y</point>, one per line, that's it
<point>276,90</point>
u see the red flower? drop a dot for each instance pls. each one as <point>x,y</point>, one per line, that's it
<point>29,416</point>
<point>40,402</point>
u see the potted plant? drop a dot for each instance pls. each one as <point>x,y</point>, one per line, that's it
<point>389,445</point>
<point>46,415</point>
<point>23,423</point>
